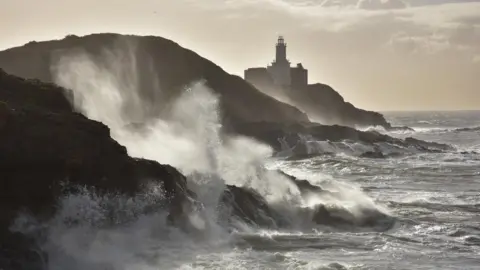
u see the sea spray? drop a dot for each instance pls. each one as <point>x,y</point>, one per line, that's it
<point>187,134</point>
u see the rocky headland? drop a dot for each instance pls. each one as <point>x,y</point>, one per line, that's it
<point>47,147</point>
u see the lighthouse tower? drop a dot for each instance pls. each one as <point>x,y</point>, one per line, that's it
<point>279,70</point>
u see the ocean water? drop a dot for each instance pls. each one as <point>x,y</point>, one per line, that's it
<point>431,199</point>
<point>434,198</point>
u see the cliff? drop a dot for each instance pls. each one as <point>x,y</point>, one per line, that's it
<point>174,67</point>
<point>44,146</point>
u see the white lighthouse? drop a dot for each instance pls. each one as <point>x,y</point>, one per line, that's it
<point>279,70</point>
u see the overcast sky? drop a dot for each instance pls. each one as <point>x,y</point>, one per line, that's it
<point>379,54</point>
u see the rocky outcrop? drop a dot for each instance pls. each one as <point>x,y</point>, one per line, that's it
<point>248,206</point>
<point>45,148</point>
<point>324,105</point>
<point>294,137</point>
<point>469,129</point>
<point>20,93</point>
<point>160,64</point>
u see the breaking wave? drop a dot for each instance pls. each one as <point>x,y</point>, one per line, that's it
<point>112,231</point>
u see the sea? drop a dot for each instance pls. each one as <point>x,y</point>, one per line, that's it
<point>431,199</point>
<point>434,198</point>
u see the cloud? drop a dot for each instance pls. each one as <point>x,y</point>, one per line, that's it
<point>419,26</point>
<point>362,46</point>
<point>429,44</point>
<point>382,4</point>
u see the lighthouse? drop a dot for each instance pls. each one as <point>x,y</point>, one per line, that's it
<point>278,73</point>
<point>279,70</point>
<point>281,51</point>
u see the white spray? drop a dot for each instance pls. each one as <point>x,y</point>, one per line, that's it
<point>106,88</point>
<point>188,136</point>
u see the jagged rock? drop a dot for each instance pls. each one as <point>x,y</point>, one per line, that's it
<point>469,129</point>
<point>303,185</point>
<point>338,216</point>
<point>248,206</point>
<point>428,146</point>
<point>44,146</point>
<point>400,128</point>
<point>18,92</point>
<point>373,154</point>
<point>280,135</point>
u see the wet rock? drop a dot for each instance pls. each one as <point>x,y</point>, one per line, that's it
<point>469,129</point>
<point>293,136</point>
<point>324,216</point>
<point>303,185</point>
<point>248,206</point>
<point>373,154</point>
<point>45,147</point>
<point>401,128</point>
<point>428,146</point>
<point>366,217</point>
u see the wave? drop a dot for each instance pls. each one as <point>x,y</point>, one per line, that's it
<point>234,191</point>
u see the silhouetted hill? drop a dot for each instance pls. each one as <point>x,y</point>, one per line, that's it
<point>323,105</point>
<point>174,67</point>
<point>321,102</point>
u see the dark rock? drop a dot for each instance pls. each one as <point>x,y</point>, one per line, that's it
<point>324,216</point>
<point>18,92</point>
<point>303,185</point>
<point>401,128</point>
<point>248,206</point>
<point>468,129</point>
<point>373,154</point>
<point>44,146</point>
<point>428,146</point>
<point>338,216</point>
<point>280,135</point>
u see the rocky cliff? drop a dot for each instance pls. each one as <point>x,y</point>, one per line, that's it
<point>45,147</point>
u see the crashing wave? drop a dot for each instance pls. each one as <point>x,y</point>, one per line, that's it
<point>229,188</point>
